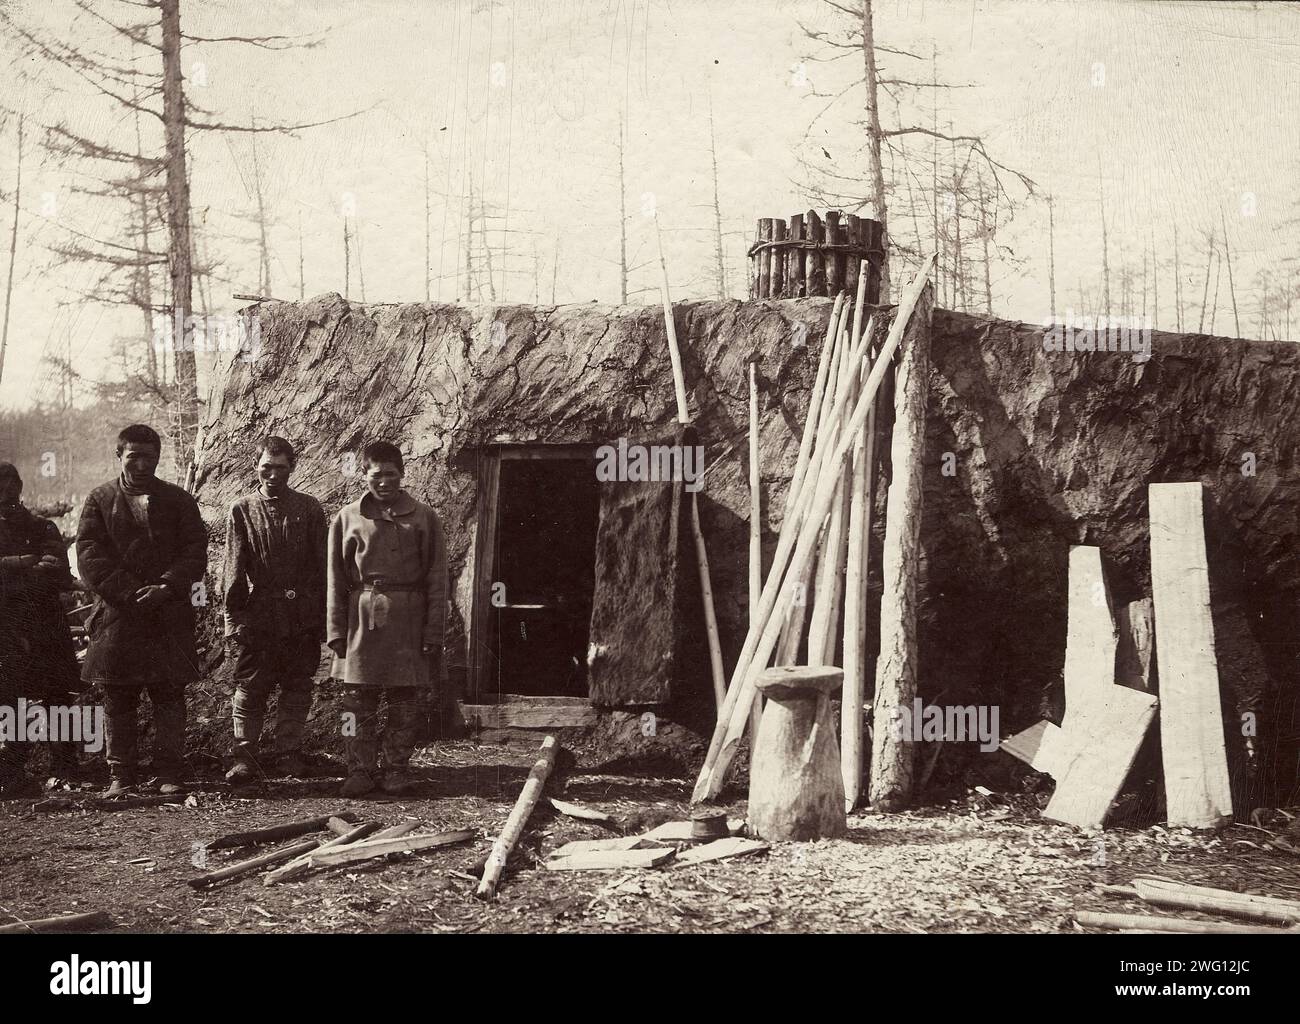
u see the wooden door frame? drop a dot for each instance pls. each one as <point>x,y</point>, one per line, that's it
<point>488,500</point>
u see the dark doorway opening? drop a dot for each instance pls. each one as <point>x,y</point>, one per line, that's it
<point>538,607</point>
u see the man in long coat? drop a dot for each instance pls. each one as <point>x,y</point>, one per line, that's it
<point>387,612</point>
<point>141,547</point>
<point>274,601</point>
<point>37,660</point>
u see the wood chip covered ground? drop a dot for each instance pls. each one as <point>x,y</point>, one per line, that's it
<point>980,864</point>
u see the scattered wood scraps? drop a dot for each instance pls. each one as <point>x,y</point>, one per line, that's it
<point>1265,911</point>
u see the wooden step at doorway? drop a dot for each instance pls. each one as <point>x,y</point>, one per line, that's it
<point>517,712</point>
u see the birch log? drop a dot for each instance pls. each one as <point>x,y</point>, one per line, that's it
<point>855,588</point>
<point>514,826</point>
<point>891,752</point>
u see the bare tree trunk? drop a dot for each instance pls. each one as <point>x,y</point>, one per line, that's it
<point>934,169</point>
<point>469,243</point>
<point>178,227</point>
<point>984,233</point>
<point>717,210</point>
<point>1205,294</point>
<point>361,274</point>
<point>302,280</point>
<point>875,170</point>
<point>1218,278</point>
<point>622,220</point>
<point>1286,330</point>
<point>1178,286</point>
<point>13,249</point>
<point>1263,308</point>
<point>487,250</point>
<point>555,267</point>
<point>1144,284</point>
<point>1051,257</point>
<point>428,257</point>
<point>1232,291</point>
<point>1105,256</point>
<point>263,244</point>
<point>1155,287</point>
<point>144,279</point>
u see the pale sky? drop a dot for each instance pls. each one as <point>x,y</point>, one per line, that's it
<point>1191,117</point>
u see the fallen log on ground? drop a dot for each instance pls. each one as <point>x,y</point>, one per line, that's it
<point>1217,901</point>
<point>1149,923</point>
<point>104,804</point>
<point>514,826</point>
<point>255,864</point>
<point>289,830</point>
<point>301,865</point>
<point>68,923</point>
<point>372,848</point>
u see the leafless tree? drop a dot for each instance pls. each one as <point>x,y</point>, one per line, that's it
<point>136,89</point>
<point>868,189</point>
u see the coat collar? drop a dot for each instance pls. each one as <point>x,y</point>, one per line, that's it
<point>404,505</point>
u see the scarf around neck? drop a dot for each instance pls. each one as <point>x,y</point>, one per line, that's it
<point>131,489</point>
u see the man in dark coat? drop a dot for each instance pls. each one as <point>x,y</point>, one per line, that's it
<point>274,600</point>
<point>37,660</point>
<point>141,547</point>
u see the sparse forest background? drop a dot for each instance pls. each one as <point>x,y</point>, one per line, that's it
<point>167,155</point>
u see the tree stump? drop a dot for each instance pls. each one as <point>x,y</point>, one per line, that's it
<point>796,791</point>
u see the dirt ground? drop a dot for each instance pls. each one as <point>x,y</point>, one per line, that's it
<point>983,864</point>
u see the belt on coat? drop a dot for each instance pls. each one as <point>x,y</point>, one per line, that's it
<point>288,594</point>
<point>381,587</point>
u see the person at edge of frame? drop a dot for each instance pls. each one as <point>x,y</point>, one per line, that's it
<point>387,609</point>
<point>37,659</point>
<point>141,547</point>
<point>274,600</point>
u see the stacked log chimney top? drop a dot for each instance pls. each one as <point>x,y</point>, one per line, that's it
<point>814,255</point>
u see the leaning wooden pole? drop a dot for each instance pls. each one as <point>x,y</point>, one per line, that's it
<point>787,564</point>
<point>814,406</point>
<point>822,629</point>
<point>755,501</point>
<point>811,586</point>
<point>670,325</point>
<point>896,673</point>
<point>716,667</point>
<point>755,528</point>
<point>823,396</point>
<point>701,553</point>
<point>514,826</point>
<point>855,590</point>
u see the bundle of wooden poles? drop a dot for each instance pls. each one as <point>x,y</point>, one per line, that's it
<point>823,541</point>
